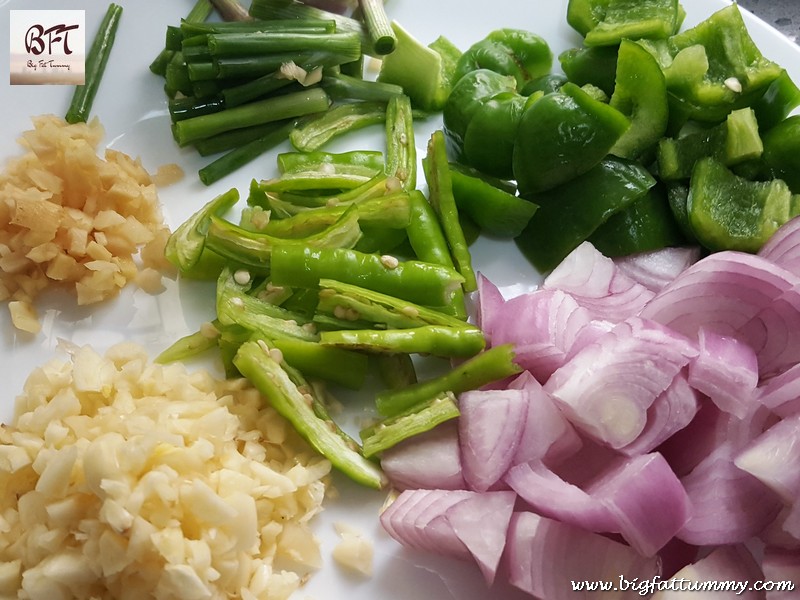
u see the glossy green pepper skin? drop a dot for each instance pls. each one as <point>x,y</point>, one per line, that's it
<point>716,68</point>
<point>727,212</point>
<point>497,120</point>
<point>596,65</point>
<point>570,213</point>
<point>640,93</point>
<point>467,97</point>
<point>781,155</point>
<point>516,52</point>
<point>646,224</point>
<point>635,19</point>
<point>561,136</point>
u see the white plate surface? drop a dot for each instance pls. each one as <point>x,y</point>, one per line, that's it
<point>132,107</point>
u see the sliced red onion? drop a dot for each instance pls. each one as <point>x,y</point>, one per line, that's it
<point>550,496</point>
<point>657,268</point>
<point>489,429</point>
<point>582,467</point>
<point>783,247</point>
<point>670,412</point>
<point>782,570</point>
<point>773,333</point>
<point>710,429</point>
<point>543,325</point>
<point>606,389</point>
<point>589,334</point>
<point>721,292</point>
<point>406,519</point>
<point>729,506</point>
<point>481,523</point>
<point>781,393</point>
<point>646,500</point>
<point>726,565</point>
<point>595,282</point>
<point>430,460</point>
<point>775,535</point>
<point>545,556</point>
<point>675,555</point>
<point>726,370</point>
<point>489,301</point>
<point>639,497</point>
<point>774,458</point>
<point>547,436</point>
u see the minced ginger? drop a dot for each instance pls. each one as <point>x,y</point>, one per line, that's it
<point>70,216</point>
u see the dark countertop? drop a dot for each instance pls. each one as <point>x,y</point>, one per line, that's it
<point>784,15</point>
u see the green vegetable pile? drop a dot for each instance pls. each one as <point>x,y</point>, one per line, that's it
<point>650,137</point>
<point>341,266</point>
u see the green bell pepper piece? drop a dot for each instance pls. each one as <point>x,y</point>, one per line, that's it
<point>424,72</point>
<point>640,94</point>
<point>646,224</point>
<point>678,198</point>
<point>596,65</point>
<point>585,15</point>
<point>737,73</point>
<point>734,141</point>
<point>561,136</point>
<point>551,82</point>
<point>633,20</point>
<point>780,99</point>
<point>494,210</point>
<point>497,120</point>
<point>516,52</point>
<point>570,213</point>
<point>728,212</point>
<point>782,152</point>
<point>467,97</point>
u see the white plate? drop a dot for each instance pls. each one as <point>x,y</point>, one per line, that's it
<point>132,108</point>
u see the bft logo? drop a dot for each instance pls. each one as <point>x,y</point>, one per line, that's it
<point>47,47</point>
<point>38,39</point>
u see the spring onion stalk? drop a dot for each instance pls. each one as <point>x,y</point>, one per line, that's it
<point>231,10</point>
<point>244,154</point>
<point>378,26</point>
<point>242,67</point>
<point>345,86</point>
<point>199,13</point>
<point>257,43</point>
<point>293,9</point>
<point>185,107</point>
<point>256,113</point>
<point>229,140</point>
<point>419,419</point>
<point>189,28</point>
<point>96,60</point>
<point>253,89</point>
<point>255,361</point>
